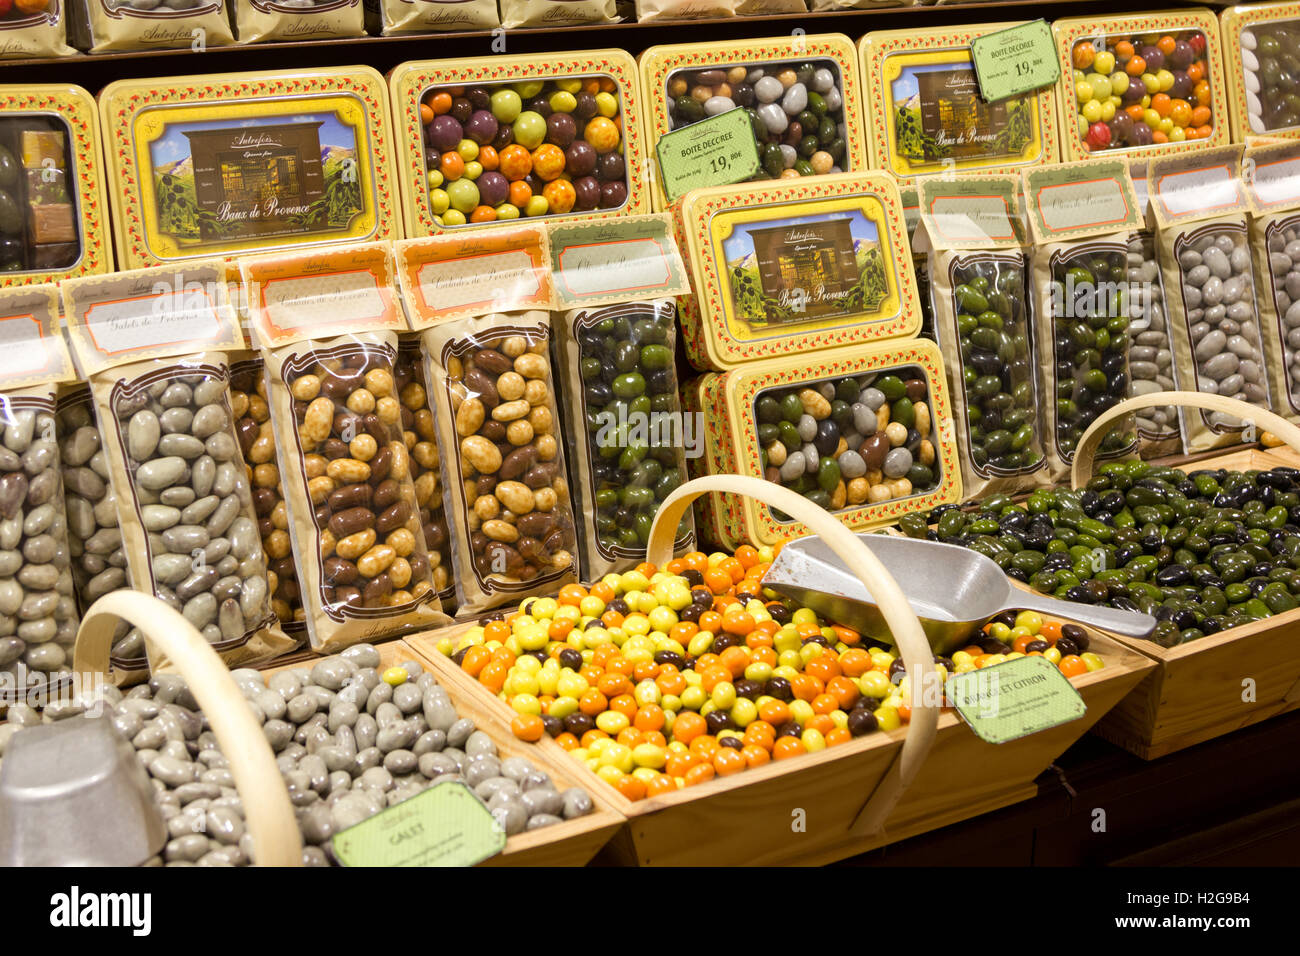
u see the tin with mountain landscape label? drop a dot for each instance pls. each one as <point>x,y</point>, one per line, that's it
<point>926,114</point>
<point>795,266</point>
<point>240,163</point>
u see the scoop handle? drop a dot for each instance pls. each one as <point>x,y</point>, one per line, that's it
<point>1123,623</point>
<point>276,838</point>
<point>857,557</point>
<point>1099,429</point>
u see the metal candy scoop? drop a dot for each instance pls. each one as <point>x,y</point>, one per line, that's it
<point>953,590</point>
<point>72,793</point>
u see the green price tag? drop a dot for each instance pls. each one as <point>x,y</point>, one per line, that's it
<point>1015,61</point>
<point>1014,699</point>
<point>714,152</point>
<point>445,825</point>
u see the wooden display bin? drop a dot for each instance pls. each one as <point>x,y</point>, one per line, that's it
<point>750,818</point>
<point>804,810</point>
<point>1199,691</point>
<point>571,843</point>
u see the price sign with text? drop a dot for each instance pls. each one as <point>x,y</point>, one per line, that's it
<point>1015,61</point>
<point>714,152</point>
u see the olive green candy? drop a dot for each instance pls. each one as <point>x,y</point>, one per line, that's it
<point>629,385</point>
<point>913,524</point>
<point>792,407</point>
<point>892,387</point>
<point>767,410</point>
<point>654,357</point>
<point>920,476</point>
<point>971,300</point>
<point>773,160</point>
<point>820,498</point>
<point>903,412</point>
<point>688,109</point>
<point>828,473</point>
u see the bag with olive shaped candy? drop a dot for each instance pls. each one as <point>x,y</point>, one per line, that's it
<point>508,503</point>
<point>395,17</point>
<point>154,344</point>
<point>1271,176</point>
<point>249,404</point>
<point>35,28</point>
<point>1081,216</point>
<point>1151,367</point>
<point>627,433</point>
<point>970,231</point>
<point>763,8</point>
<point>647,10</point>
<point>420,435</point>
<point>38,612</point>
<point>1199,210</point>
<point>555,13</point>
<point>259,21</point>
<point>106,25</point>
<point>326,324</point>
<point>482,304</point>
<point>94,538</point>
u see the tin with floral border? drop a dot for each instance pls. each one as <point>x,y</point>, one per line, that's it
<point>869,457</point>
<point>241,163</point>
<point>523,137</point>
<point>802,93</point>
<point>925,114</point>
<point>798,265</point>
<point>53,218</point>
<point>1261,53</point>
<point>1149,83</point>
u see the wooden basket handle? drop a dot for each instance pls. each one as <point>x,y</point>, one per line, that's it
<point>267,810</point>
<point>857,557</point>
<point>1083,455</point>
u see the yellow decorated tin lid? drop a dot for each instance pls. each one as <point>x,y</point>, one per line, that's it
<point>1149,83</point>
<point>869,457</point>
<point>799,265</point>
<point>242,163</point>
<point>783,80</point>
<point>926,115</point>
<point>1256,37</point>
<point>53,219</point>
<point>584,159</point>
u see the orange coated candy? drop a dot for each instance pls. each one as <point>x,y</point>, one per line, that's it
<point>560,196</point>
<point>530,727</point>
<point>788,747</point>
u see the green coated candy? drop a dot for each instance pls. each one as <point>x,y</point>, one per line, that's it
<point>828,473</point>
<point>971,300</point>
<point>903,412</point>
<point>629,385</point>
<point>891,386</point>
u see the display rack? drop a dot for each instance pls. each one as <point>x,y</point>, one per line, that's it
<point>383,53</point>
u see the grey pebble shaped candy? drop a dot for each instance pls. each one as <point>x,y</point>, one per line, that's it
<point>1219,294</point>
<point>330,781</point>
